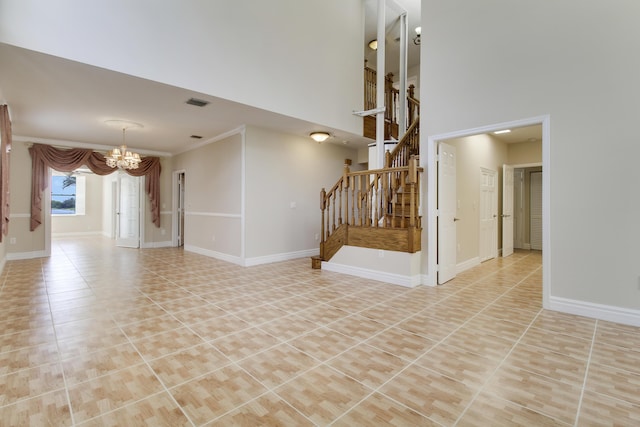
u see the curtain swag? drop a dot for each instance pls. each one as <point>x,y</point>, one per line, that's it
<point>5,149</point>
<point>69,160</point>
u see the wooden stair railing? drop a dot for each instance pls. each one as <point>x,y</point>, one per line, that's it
<point>392,105</point>
<point>374,209</point>
<point>408,146</point>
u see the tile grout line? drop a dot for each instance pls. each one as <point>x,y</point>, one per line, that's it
<point>586,373</point>
<point>412,363</point>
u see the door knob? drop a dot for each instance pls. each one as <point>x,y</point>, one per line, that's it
<point>505,216</point>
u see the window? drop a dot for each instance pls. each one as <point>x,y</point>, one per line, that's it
<point>67,194</point>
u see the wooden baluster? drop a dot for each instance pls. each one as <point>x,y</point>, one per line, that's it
<point>333,212</point>
<point>352,185</point>
<point>376,193</point>
<point>340,204</point>
<point>403,184</point>
<point>359,200</point>
<point>323,205</point>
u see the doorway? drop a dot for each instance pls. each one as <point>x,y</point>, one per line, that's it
<point>179,186</point>
<point>431,166</point>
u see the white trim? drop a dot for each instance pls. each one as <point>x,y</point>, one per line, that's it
<point>466,265</point>
<point>395,279</point>
<point>609,313</point>
<point>238,130</point>
<point>174,206</point>
<point>213,254</point>
<point>26,255</point>
<point>77,144</point>
<point>155,245</point>
<point>213,214</point>
<point>426,280</point>
<point>243,191</point>
<point>269,259</point>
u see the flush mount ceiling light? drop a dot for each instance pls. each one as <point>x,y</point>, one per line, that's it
<point>416,39</point>
<point>498,132</point>
<point>373,44</point>
<point>319,136</point>
<point>121,157</point>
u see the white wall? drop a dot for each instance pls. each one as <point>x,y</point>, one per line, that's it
<point>213,197</point>
<point>497,61</point>
<point>282,169</point>
<point>298,58</point>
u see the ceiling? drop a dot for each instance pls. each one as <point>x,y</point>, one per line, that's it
<point>62,102</point>
<point>522,134</point>
<point>66,103</point>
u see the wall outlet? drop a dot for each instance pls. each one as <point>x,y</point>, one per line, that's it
<point>12,241</point>
<point>162,231</point>
<point>213,237</point>
<point>380,253</point>
<point>293,205</point>
<point>317,236</point>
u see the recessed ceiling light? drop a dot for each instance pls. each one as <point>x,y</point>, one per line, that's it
<point>498,132</point>
<point>197,102</point>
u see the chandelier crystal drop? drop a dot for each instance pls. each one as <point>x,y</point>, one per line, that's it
<point>121,157</point>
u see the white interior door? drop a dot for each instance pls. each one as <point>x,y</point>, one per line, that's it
<point>128,211</point>
<point>488,214</point>
<point>507,210</point>
<point>446,213</point>
<point>181,185</point>
<point>535,181</point>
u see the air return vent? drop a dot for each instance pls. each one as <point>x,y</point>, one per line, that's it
<point>197,102</point>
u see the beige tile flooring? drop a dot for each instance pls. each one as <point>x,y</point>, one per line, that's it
<point>104,336</point>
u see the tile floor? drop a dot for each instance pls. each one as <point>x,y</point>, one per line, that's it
<point>104,336</point>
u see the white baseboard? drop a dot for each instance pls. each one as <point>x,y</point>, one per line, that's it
<point>269,259</point>
<point>396,279</point>
<point>466,265</point>
<point>25,255</point>
<point>154,245</point>
<point>248,262</point>
<point>609,313</point>
<point>213,254</point>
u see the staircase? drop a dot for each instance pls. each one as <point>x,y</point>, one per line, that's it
<point>376,209</point>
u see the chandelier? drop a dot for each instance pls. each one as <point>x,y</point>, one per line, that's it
<point>121,157</point>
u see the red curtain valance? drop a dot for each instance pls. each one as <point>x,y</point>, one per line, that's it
<point>70,160</point>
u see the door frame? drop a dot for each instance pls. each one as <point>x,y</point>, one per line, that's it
<point>174,207</point>
<point>430,198</point>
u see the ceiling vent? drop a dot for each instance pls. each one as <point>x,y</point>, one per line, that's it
<point>197,102</point>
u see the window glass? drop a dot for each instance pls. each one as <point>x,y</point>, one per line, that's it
<point>63,195</point>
